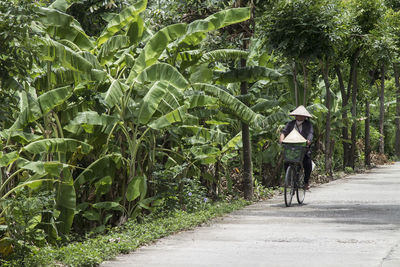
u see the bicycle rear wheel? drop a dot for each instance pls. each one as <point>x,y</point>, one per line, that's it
<point>300,189</point>
<point>289,185</point>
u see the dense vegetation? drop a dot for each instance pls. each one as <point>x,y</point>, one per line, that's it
<point>116,110</point>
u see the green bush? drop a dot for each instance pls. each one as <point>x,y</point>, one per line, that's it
<point>27,222</point>
<point>126,238</point>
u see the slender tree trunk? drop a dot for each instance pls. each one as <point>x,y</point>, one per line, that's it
<point>367,149</point>
<point>247,164</point>
<point>354,116</point>
<point>345,128</point>
<point>397,120</point>
<point>305,76</point>
<point>382,111</point>
<point>328,148</point>
<point>296,89</point>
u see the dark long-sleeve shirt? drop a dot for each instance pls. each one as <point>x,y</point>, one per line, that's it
<point>307,130</point>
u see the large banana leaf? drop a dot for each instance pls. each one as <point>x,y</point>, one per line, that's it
<point>178,115</point>
<point>65,201</point>
<point>7,159</point>
<point>197,29</point>
<point>54,17</point>
<point>98,169</point>
<point>172,100</point>
<point>249,74</point>
<point>235,106</point>
<point>135,31</point>
<point>206,153</point>
<point>119,21</point>
<point>53,168</point>
<point>151,101</point>
<point>113,45</point>
<point>54,51</point>
<point>201,100</point>
<point>264,105</point>
<point>188,58</point>
<point>64,26</point>
<point>154,48</point>
<point>92,59</point>
<point>88,119</point>
<point>273,119</point>
<point>19,136</point>
<point>35,109</point>
<point>165,73</point>
<point>223,55</point>
<point>53,98</point>
<point>62,77</point>
<point>115,93</point>
<point>62,145</point>
<point>201,74</point>
<point>234,143</point>
<point>137,187</point>
<point>30,111</point>
<point>205,134</point>
<point>61,5</point>
<point>76,35</point>
<point>160,93</point>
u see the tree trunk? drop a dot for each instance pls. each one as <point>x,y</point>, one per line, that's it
<point>345,128</point>
<point>397,120</point>
<point>382,111</point>
<point>354,116</point>
<point>247,164</point>
<point>328,148</point>
<point>305,77</point>
<point>296,90</point>
<point>367,149</point>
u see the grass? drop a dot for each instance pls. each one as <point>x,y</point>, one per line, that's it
<point>125,239</point>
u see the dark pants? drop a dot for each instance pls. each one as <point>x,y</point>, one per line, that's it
<point>307,165</point>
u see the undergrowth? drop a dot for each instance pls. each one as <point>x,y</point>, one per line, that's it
<point>124,239</point>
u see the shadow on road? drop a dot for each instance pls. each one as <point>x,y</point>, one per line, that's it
<point>363,214</point>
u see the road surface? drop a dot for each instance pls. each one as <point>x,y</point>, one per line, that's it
<point>354,221</point>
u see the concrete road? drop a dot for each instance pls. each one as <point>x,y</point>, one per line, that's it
<point>353,221</point>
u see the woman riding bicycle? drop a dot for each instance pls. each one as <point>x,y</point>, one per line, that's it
<point>305,128</point>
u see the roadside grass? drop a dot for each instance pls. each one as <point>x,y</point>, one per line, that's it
<point>124,239</point>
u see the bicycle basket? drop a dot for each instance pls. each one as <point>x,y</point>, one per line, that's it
<point>294,152</point>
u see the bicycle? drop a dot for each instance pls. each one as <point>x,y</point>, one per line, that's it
<point>294,177</point>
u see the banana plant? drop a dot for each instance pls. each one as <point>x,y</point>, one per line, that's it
<point>40,160</point>
<point>153,95</point>
<point>134,90</point>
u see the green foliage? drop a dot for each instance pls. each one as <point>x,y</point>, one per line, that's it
<point>24,224</point>
<point>145,115</point>
<point>17,50</point>
<point>348,170</point>
<point>303,29</point>
<point>367,13</point>
<point>128,237</point>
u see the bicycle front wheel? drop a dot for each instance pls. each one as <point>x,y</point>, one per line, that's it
<point>300,189</point>
<point>289,185</point>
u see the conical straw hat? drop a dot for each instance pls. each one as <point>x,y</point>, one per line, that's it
<point>294,137</point>
<point>301,111</point>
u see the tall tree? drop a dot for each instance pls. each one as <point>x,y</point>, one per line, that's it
<point>393,19</point>
<point>366,15</point>
<point>308,31</point>
<point>382,48</point>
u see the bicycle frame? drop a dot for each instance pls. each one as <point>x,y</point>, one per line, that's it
<point>293,183</point>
